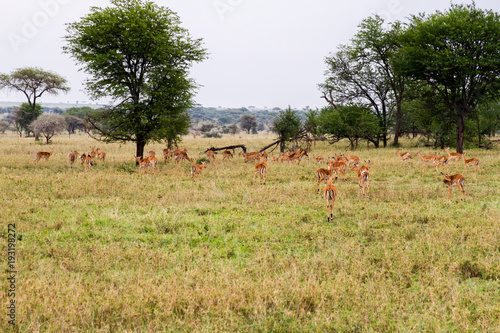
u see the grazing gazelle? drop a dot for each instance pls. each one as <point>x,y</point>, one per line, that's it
<point>455,180</point>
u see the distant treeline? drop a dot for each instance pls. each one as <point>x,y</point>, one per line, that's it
<point>227,116</point>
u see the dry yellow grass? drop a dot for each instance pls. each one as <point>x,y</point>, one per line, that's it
<point>116,250</point>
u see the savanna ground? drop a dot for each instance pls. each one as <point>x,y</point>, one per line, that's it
<point>118,250</point>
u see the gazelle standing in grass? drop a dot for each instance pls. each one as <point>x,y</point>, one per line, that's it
<point>330,193</point>
<point>455,180</point>
<point>364,179</point>
<point>143,163</point>
<point>453,156</point>
<point>323,174</point>
<point>473,162</point>
<point>428,158</point>
<point>43,154</point>
<point>210,154</point>
<point>196,170</point>
<point>319,158</point>
<point>89,161</point>
<point>261,170</point>
<point>226,154</point>
<point>339,166</point>
<point>353,159</point>
<point>101,156</point>
<point>72,156</point>
<point>441,160</point>
<point>404,156</point>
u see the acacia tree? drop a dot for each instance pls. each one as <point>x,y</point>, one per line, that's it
<point>456,53</point>
<point>33,83</point>
<point>363,73</point>
<point>248,123</point>
<point>353,122</point>
<point>136,53</point>
<point>22,117</point>
<point>49,125</point>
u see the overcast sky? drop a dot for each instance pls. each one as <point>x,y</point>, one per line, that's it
<point>265,53</point>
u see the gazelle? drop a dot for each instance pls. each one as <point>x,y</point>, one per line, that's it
<point>441,160</point>
<point>43,154</point>
<point>324,174</point>
<point>330,194</point>
<point>72,156</point>
<point>226,154</point>
<point>473,162</point>
<point>363,180</point>
<point>143,163</point>
<point>182,155</point>
<point>453,156</point>
<point>210,154</point>
<point>353,159</point>
<point>261,170</point>
<point>428,158</point>
<point>101,156</point>
<point>251,156</point>
<point>319,158</point>
<point>153,162</point>
<point>455,180</point>
<point>338,167</point>
<point>404,156</point>
<point>93,152</point>
<point>88,162</point>
<point>362,168</point>
<point>196,170</point>
<point>167,154</point>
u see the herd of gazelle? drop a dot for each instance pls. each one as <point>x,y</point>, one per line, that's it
<point>457,180</point>
<point>87,159</point>
<point>336,166</point>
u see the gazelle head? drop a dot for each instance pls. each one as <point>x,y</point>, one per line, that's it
<point>446,176</point>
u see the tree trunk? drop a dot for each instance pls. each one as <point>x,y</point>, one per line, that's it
<point>140,144</point>
<point>460,132</point>
<point>399,119</point>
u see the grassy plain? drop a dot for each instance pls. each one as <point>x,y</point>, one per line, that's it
<point>114,250</point>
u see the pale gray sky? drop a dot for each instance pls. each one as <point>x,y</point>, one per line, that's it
<point>262,52</point>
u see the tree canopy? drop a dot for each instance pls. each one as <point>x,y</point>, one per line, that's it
<point>286,125</point>
<point>33,83</point>
<point>49,125</point>
<point>136,53</point>
<point>248,123</point>
<point>457,53</point>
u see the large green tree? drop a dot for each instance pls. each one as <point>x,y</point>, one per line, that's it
<point>33,83</point>
<point>286,125</point>
<point>136,53</point>
<point>352,122</point>
<point>363,72</point>
<point>457,53</point>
